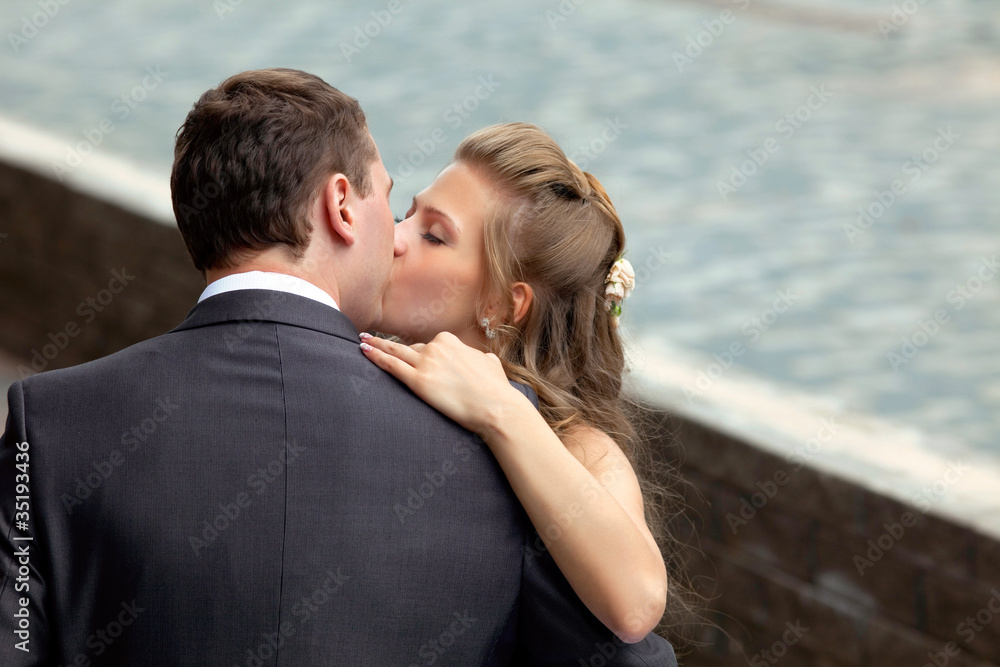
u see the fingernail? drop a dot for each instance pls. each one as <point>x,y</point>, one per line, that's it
<point>364,335</point>
<point>366,347</point>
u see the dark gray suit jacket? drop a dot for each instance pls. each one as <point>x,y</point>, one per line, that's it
<point>249,490</point>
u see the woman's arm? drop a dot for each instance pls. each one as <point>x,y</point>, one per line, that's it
<point>581,495</point>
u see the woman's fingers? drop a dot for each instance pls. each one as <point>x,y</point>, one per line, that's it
<point>397,367</point>
<point>406,353</point>
<point>460,381</point>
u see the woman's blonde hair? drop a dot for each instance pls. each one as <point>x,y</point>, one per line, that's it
<point>553,226</point>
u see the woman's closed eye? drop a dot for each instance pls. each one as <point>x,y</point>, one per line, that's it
<point>430,238</point>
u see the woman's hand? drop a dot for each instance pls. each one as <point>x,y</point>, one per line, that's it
<point>467,385</point>
<point>590,519</point>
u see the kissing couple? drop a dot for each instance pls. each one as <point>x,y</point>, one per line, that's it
<point>456,493</point>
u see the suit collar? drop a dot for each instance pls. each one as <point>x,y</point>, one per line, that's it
<point>259,305</point>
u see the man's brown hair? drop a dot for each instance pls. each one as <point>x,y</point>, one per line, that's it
<point>251,156</point>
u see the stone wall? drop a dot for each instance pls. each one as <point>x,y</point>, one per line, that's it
<point>808,568</point>
<point>81,277</point>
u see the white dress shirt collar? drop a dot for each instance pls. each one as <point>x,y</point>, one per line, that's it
<point>279,282</point>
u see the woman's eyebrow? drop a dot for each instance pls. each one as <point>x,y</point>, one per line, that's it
<point>456,228</point>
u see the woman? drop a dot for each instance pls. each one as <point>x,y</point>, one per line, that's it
<point>509,265</point>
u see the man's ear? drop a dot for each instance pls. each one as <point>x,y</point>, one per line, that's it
<point>522,295</point>
<point>337,213</point>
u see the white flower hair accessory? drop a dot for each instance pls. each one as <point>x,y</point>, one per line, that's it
<point>618,285</point>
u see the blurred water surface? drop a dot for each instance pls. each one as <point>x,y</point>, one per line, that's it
<point>738,147</point>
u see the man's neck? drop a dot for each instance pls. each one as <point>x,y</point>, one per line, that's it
<point>274,261</point>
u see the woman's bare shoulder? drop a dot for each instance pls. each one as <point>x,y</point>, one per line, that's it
<point>605,460</point>
<point>592,447</point>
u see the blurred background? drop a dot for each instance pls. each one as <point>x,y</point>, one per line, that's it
<point>751,148</point>
<point>810,187</point>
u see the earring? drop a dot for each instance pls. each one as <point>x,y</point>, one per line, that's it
<point>485,324</point>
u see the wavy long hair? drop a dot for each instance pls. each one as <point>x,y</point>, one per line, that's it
<point>553,226</point>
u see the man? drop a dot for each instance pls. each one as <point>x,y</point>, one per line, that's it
<point>248,489</point>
